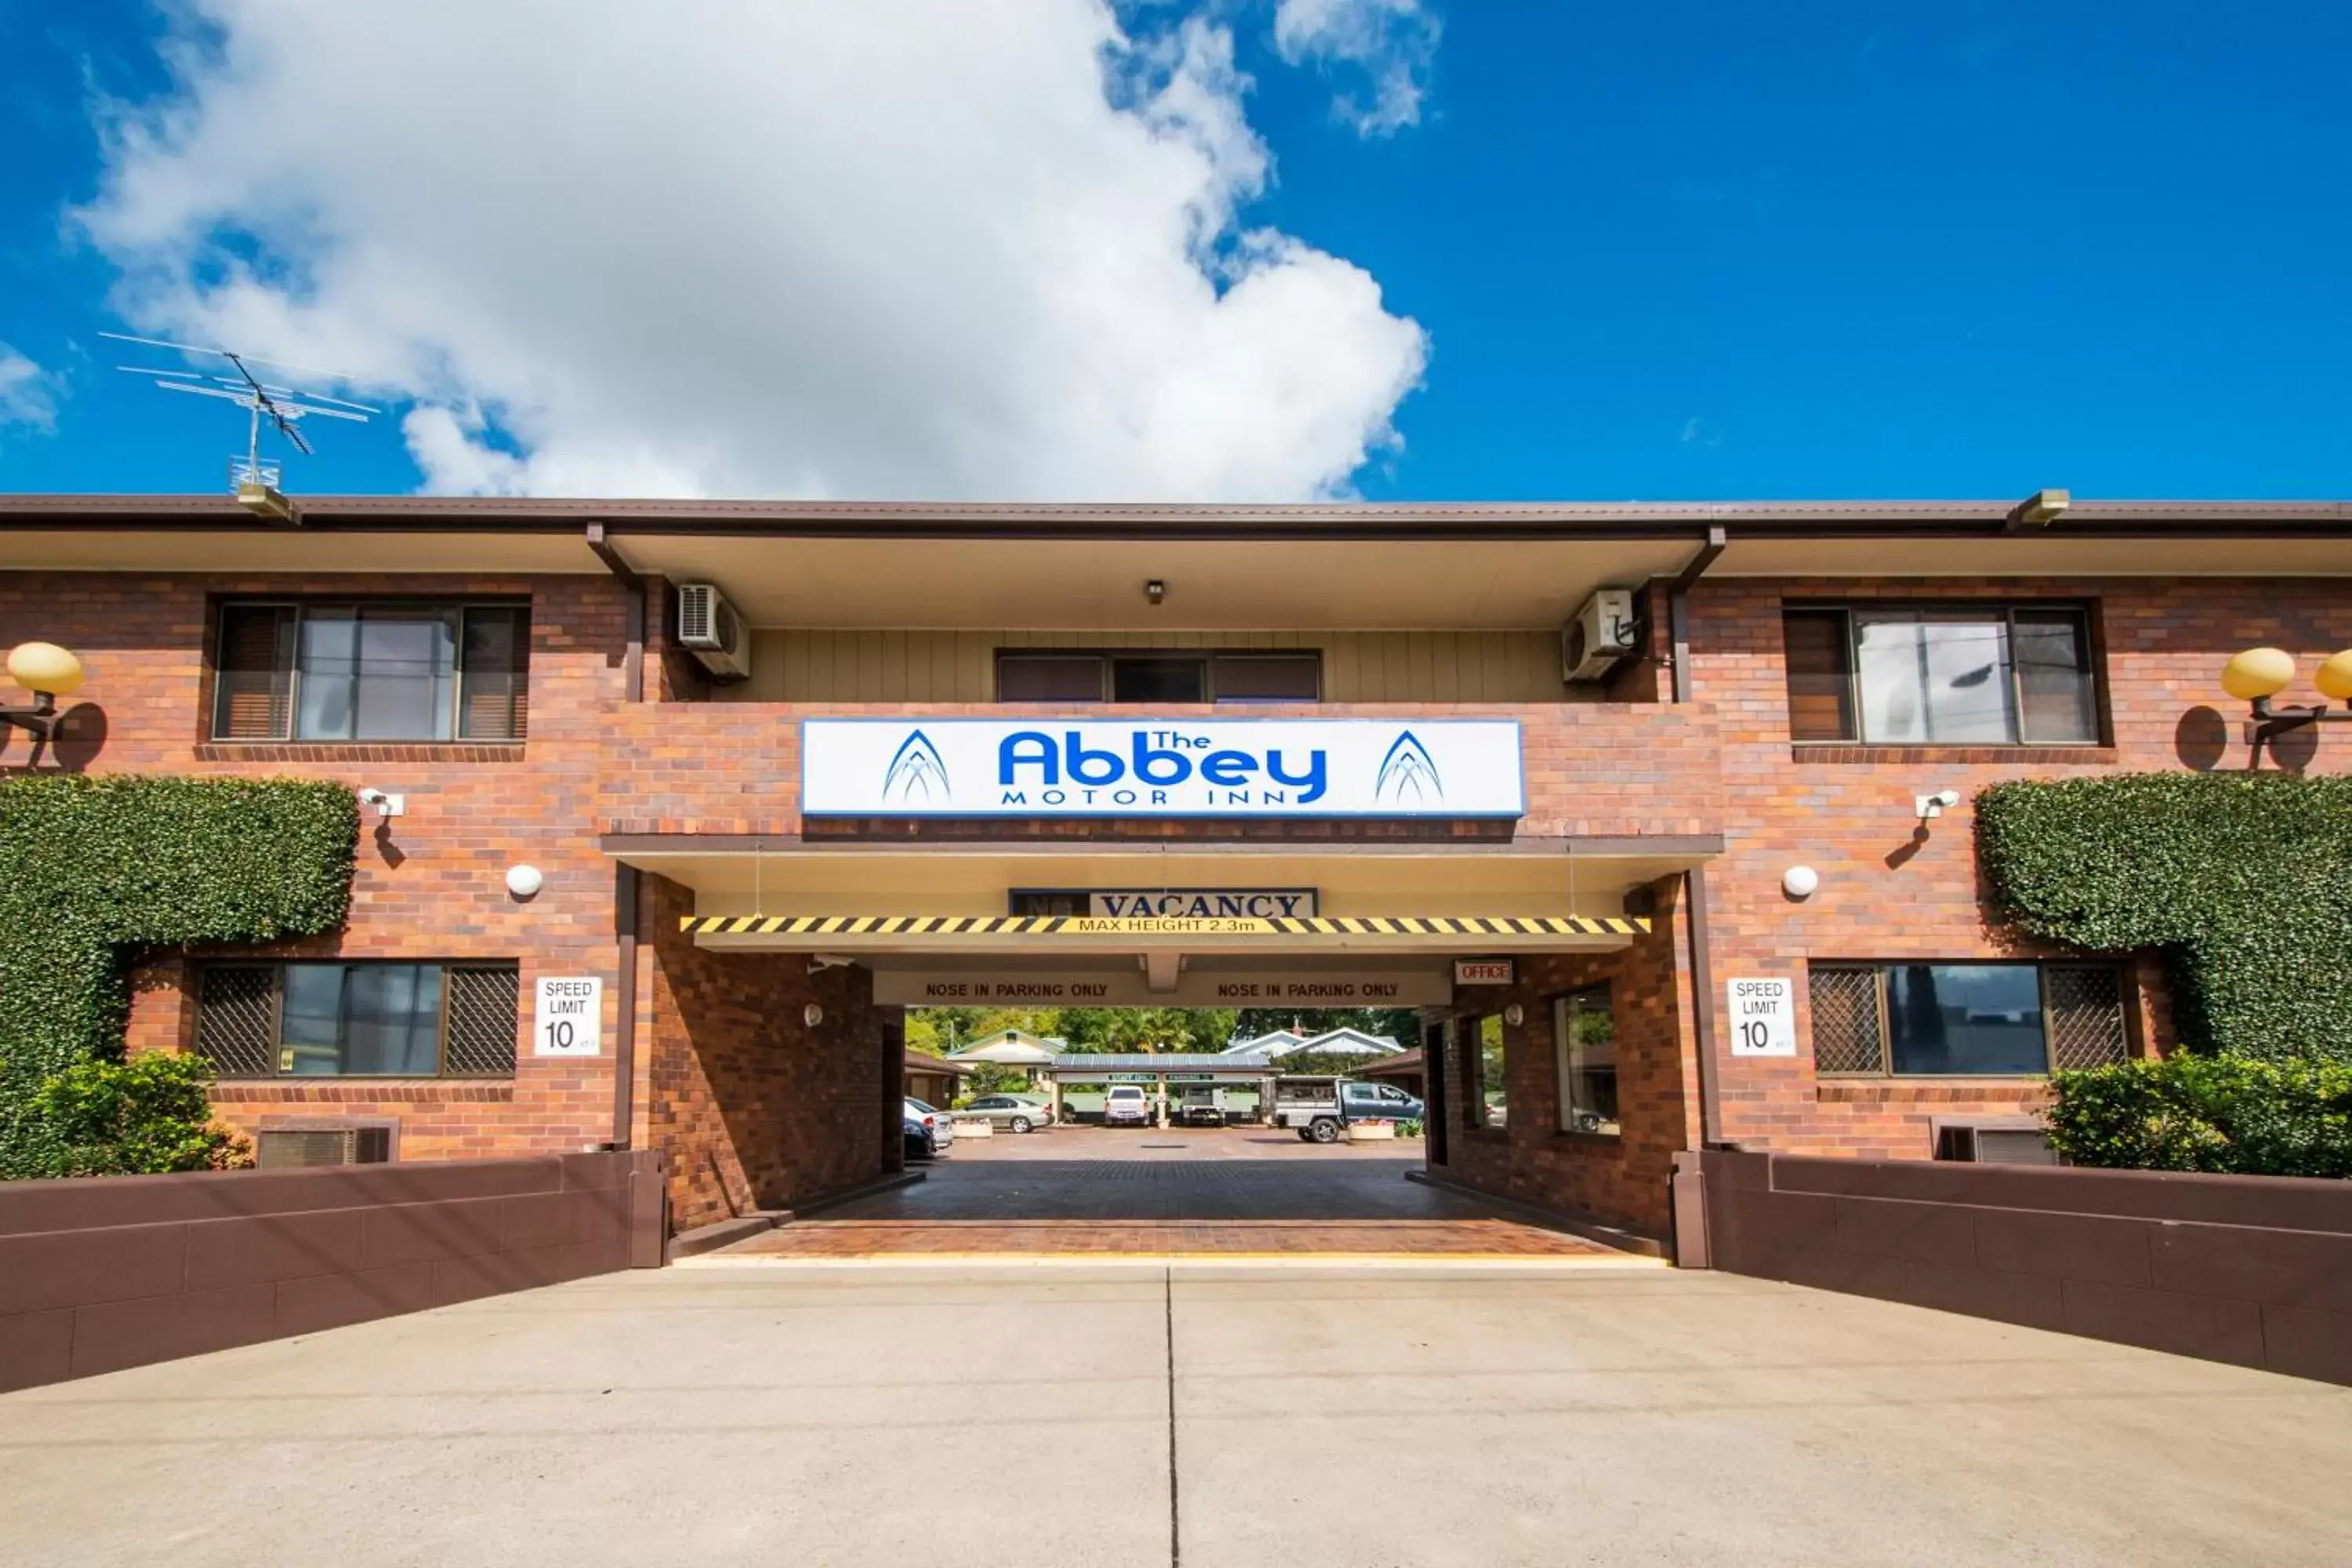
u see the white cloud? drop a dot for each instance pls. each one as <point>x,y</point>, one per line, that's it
<point>1392,41</point>
<point>918,248</point>
<point>28,393</point>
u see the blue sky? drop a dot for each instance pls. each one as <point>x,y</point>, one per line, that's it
<point>1682,249</point>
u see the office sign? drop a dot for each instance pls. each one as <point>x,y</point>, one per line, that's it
<point>1161,767</point>
<point>1202,903</point>
<point>944,987</point>
<point>569,1019</point>
<point>1763,1018</point>
<point>1483,972</point>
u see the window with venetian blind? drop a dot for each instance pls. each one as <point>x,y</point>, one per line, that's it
<point>372,671</point>
<point>1911,675</point>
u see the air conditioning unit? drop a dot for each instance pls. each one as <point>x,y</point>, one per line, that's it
<point>292,1148</point>
<point>708,628</point>
<point>1602,633</point>
<point>1994,1144</point>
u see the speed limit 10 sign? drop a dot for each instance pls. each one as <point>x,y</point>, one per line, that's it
<point>1763,1018</point>
<point>570,1018</point>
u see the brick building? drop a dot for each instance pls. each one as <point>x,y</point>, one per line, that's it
<point>758,892</point>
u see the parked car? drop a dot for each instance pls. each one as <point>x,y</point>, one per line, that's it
<point>1009,1111</point>
<point>937,1122</point>
<point>919,1144</point>
<point>1125,1105</point>
<point>1320,1109</point>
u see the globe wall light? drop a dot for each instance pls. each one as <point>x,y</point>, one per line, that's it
<point>2259,674</point>
<point>48,672</point>
<point>1799,881</point>
<point>524,881</point>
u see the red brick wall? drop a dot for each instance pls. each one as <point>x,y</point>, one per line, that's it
<point>756,1108</point>
<point>1892,888</point>
<point>432,884</point>
<point>1624,1178</point>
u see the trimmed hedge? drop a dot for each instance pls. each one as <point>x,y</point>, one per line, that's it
<point>93,870</point>
<point>2225,1115</point>
<point>2242,881</point>
<point>146,1117</point>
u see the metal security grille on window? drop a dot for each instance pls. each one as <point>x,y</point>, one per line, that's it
<point>1847,1036</point>
<point>2086,1017</point>
<point>482,1007</point>
<point>237,1021</point>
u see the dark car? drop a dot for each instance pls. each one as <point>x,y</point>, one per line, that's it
<point>919,1145</point>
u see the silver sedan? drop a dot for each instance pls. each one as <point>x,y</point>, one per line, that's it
<point>1013,1114</point>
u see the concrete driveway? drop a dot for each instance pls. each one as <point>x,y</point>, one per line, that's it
<point>1360,1415</point>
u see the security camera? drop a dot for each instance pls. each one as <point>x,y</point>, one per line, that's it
<point>385,804</point>
<point>820,963</point>
<point>1935,805</point>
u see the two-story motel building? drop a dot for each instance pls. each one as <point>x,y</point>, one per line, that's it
<point>951,729</point>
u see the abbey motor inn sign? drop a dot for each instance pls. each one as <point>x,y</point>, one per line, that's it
<point>1160,767</point>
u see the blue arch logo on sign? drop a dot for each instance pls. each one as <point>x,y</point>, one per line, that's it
<point>1161,767</point>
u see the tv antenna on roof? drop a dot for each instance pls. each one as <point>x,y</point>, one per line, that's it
<point>252,480</point>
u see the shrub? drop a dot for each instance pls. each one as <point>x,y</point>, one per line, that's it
<point>93,870</point>
<point>2242,881</point>
<point>2225,1115</point>
<point>143,1117</point>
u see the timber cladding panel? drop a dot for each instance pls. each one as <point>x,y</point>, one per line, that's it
<point>101,1273</point>
<point>2251,1269</point>
<point>855,665</point>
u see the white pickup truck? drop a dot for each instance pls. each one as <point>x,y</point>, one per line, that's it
<point>1320,1109</point>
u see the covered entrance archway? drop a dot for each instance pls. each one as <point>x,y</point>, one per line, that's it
<point>944,925</point>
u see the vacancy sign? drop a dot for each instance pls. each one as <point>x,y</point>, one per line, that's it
<point>570,1021</point>
<point>1763,1018</point>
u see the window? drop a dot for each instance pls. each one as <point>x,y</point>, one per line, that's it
<point>371,672</point>
<point>1965,1019</point>
<point>1190,677</point>
<point>1584,1036</point>
<point>1927,676</point>
<point>358,1020</point>
<point>1480,1041</point>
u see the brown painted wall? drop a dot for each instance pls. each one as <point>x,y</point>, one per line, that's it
<point>109,1272</point>
<point>2251,1269</point>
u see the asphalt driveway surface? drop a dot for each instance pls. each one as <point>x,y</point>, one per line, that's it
<point>1212,1415</point>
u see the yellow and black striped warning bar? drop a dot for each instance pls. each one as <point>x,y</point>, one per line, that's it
<point>1162,925</point>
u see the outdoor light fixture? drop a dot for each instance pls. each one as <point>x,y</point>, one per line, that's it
<point>524,881</point>
<point>48,672</point>
<point>812,1015</point>
<point>2259,674</point>
<point>1799,881</point>
<point>1514,1015</point>
<point>1155,590</point>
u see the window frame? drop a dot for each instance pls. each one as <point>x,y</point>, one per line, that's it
<point>1885,1071</point>
<point>1206,658</point>
<point>1469,1029</point>
<point>278,1048</point>
<point>460,608</point>
<point>1556,1005</point>
<point>2006,611</point>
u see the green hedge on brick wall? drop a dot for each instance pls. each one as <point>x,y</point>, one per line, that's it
<point>94,870</point>
<point>2242,881</point>
<point>2226,1115</point>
